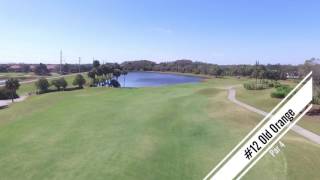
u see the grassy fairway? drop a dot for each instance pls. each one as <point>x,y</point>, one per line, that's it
<point>174,132</point>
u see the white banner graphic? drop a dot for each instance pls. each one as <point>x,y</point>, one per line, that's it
<point>258,141</point>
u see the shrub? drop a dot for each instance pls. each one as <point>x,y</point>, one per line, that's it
<point>79,81</point>
<point>272,84</point>
<point>254,86</point>
<point>281,91</point>
<point>56,84</point>
<point>278,94</point>
<point>42,85</point>
<point>316,97</point>
<point>6,94</point>
<point>63,83</point>
<point>60,83</point>
<point>114,83</point>
<point>56,90</point>
<point>316,100</point>
<point>276,84</point>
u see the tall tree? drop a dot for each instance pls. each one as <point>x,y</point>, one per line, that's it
<point>66,68</point>
<point>12,85</point>
<point>56,84</point>
<point>92,76</point>
<point>117,73</point>
<point>215,70</point>
<point>79,81</point>
<point>42,84</point>
<point>124,73</point>
<point>41,69</point>
<point>96,63</point>
<point>63,83</point>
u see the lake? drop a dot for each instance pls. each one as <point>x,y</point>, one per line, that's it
<point>150,79</point>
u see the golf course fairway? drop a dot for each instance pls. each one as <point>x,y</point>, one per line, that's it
<point>162,133</point>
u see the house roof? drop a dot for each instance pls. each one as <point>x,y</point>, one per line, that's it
<point>16,66</point>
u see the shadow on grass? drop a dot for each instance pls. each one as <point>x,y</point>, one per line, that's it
<point>58,90</point>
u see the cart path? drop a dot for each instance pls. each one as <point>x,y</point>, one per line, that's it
<point>4,103</point>
<point>297,129</point>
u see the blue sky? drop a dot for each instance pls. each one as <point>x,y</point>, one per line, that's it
<point>222,32</point>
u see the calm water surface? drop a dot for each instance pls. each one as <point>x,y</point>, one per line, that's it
<point>149,79</point>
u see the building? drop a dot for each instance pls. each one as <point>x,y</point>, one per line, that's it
<point>15,68</point>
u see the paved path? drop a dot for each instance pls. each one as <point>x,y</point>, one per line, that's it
<point>299,130</point>
<point>4,103</point>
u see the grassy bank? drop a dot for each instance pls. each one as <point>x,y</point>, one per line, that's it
<point>173,132</point>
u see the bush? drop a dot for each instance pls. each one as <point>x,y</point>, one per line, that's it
<point>114,83</point>
<point>278,94</point>
<point>276,84</point>
<point>316,100</point>
<point>254,86</point>
<point>6,94</point>
<point>60,83</point>
<point>281,91</point>
<point>42,85</point>
<point>79,81</point>
<point>316,97</point>
<point>56,84</point>
<point>63,83</point>
<point>56,90</point>
<point>272,84</point>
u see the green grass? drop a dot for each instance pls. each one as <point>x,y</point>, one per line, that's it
<point>23,76</point>
<point>31,88</point>
<point>173,132</point>
<point>262,100</point>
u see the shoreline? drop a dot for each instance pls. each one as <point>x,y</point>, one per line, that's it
<point>179,73</point>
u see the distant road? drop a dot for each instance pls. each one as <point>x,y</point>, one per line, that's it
<point>299,130</point>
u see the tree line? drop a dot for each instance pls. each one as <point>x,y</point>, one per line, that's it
<point>43,84</point>
<point>260,71</point>
<point>106,74</point>
<point>256,70</point>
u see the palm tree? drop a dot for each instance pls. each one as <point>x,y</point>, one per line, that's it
<point>96,63</point>
<point>107,70</point>
<point>12,85</point>
<point>79,81</point>
<point>124,73</point>
<point>92,75</point>
<point>116,73</point>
